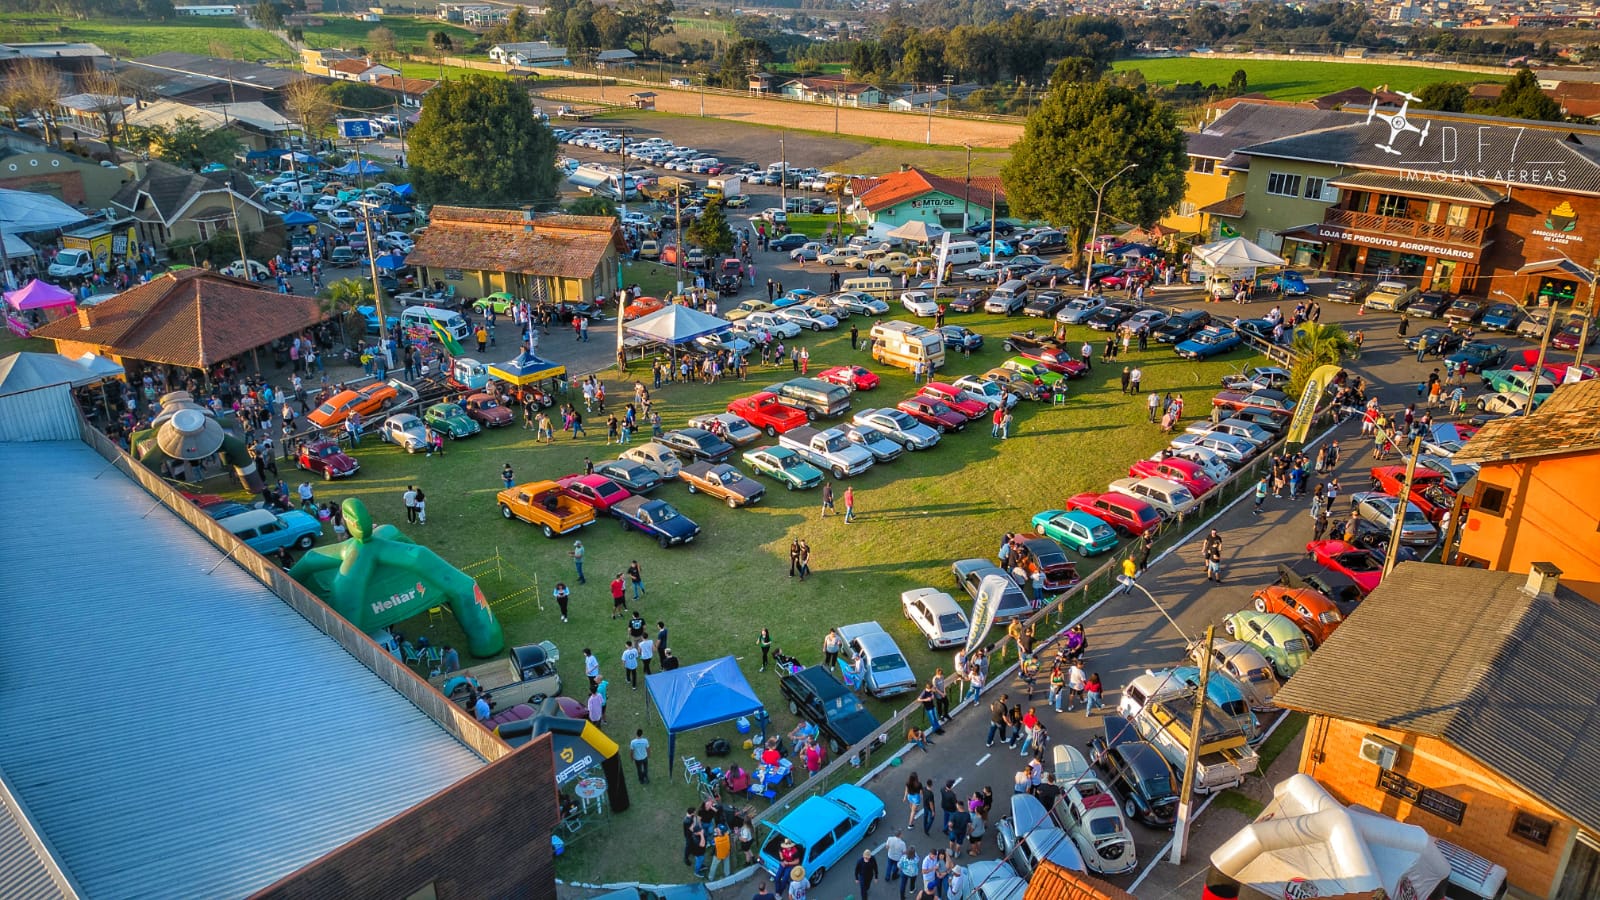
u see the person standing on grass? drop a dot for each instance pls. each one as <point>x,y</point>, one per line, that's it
<point>577,559</point>
<point>849,505</point>
<point>562,595</point>
<point>647,652</point>
<point>630,665</point>
<point>507,477</point>
<point>827,498</point>
<point>591,668</point>
<point>805,560</point>
<point>636,576</point>
<point>619,597</point>
<point>794,557</point>
<point>640,748</point>
<point>764,642</point>
<point>1135,378</point>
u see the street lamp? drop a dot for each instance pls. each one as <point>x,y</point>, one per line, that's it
<point>1099,196</point>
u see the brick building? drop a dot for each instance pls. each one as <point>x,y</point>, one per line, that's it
<point>1463,701</point>
<point>1538,493</point>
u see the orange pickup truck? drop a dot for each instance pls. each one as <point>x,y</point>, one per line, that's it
<point>543,504</point>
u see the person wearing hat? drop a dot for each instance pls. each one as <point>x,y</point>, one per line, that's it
<point>577,559</point>
<point>798,885</point>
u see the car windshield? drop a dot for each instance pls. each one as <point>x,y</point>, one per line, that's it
<point>1158,787</point>
<point>662,513</point>
<point>1105,826</point>
<point>1414,516</point>
<point>1358,562</point>
<point>1102,533</point>
<point>888,662</point>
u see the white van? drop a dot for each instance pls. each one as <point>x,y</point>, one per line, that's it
<point>425,316</point>
<point>904,344</point>
<point>878,286</point>
<point>963,253</point>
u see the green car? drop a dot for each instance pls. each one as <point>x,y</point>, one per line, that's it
<point>784,465</point>
<point>1277,637</point>
<point>501,303</point>
<point>449,419</point>
<point>1030,369</point>
<point>1083,533</point>
<point>1515,381</point>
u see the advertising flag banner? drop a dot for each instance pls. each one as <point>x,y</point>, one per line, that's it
<point>1306,410</point>
<point>989,592</point>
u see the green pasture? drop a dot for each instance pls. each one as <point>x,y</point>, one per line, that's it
<point>1295,79</point>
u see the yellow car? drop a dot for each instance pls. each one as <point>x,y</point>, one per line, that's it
<point>890,262</point>
<point>649,250</point>
<point>746,308</point>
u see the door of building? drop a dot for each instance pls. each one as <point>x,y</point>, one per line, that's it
<point>1582,878</point>
<point>1443,272</point>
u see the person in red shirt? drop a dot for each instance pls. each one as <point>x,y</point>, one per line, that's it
<point>618,597</point>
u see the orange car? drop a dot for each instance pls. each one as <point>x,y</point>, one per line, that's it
<point>1307,608</point>
<point>374,397</point>
<point>643,306</point>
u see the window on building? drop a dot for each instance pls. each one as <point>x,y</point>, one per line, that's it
<point>1203,166</point>
<point>1458,216</point>
<point>1491,500</point>
<point>1283,184</point>
<point>1316,188</point>
<point>1268,239</point>
<point>1356,201</point>
<point>1533,829</point>
<point>1392,205</point>
<point>1185,208</point>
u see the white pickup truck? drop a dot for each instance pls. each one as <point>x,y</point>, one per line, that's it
<point>1164,719</point>
<point>829,450</point>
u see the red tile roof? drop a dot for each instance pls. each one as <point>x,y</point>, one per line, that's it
<point>413,86</point>
<point>1052,882</point>
<point>898,187</point>
<point>192,317</point>
<point>1568,422</point>
<point>1231,208</point>
<point>351,66</point>
<point>506,240</point>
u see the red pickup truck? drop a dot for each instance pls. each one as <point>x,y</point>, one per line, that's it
<point>763,410</point>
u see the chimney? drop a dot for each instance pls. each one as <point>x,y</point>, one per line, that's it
<point>1543,579</point>
<point>905,167</point>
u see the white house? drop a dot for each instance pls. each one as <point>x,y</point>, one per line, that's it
<point>362,70</point>
<point>917,101</point>
<point>220,9</point>
<point>528,53</point>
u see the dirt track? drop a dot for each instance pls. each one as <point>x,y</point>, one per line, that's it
<point>813,117</point>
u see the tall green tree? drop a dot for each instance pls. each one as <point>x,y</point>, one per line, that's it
<point>186,143</point>
<point>1523,99</point>
<point>710,232</point>
<point>1444,96</point>
<point>1317,344</point>
<point>477,141</point>
<point>1077,139</point>
<point>1239,83</point>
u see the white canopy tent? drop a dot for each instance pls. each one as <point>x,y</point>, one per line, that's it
<point>1237,253</point>
<point>676,324</point>
<point>916,231</point>
<point>23,211</point>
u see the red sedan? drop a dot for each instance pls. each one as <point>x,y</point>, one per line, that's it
<point>1128,515</point>
<point>933,413</point>
<point>1056,359</point>
<point>765,412</point>
<point>326,459</point>
<point>1363,567</point>
<point>597,491</point>
<point>956,399</point>
<point>855,378</point>
<point>1428,490</point>
<point>1183,471</point>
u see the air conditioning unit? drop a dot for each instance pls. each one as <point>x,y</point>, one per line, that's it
<point>1380,752</point>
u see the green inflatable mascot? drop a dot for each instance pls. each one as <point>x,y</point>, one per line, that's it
<point>380,576</point>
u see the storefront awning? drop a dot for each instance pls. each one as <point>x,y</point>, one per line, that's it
<point>1322,232</point>
<point>1410,186</point>
<point>1305,234</point>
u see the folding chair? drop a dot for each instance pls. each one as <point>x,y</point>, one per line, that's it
<point>409,654</point>
<point>435,616</point>
<point>694,771</point>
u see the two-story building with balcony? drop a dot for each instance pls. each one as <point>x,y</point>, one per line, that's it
<point>1456,203</point>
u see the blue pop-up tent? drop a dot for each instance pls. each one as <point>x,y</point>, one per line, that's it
<point>703,694</point>
<point>298,217</point>
<point>359,168</point>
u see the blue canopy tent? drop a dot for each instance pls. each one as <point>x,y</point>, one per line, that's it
<point>364,167</point>
<point>299,156</point>
<point>391,261</point>
<point>526,369</point>
<point>394,209</point>
<point>404,190</point>
<point>676,324</point>
<point>1133,251</point>
<point>696,696</point>
<point>299,217</point>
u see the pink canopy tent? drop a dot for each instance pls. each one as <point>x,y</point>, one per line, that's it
<point>38,295</point>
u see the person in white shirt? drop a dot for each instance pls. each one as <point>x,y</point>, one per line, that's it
<point>640,748</point>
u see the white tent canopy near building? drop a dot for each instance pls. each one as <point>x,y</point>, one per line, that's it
<point>1237,253</point>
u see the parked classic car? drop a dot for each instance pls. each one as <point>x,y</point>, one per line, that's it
<point>656,518</point>
<point>900,427</point>
<point>973,574</point>
<point>1415,528</point>
<point>731,428</point>
<point>1186,472</point>
<point>937,615</point>
<point>722,481</point>
<point>1257,378</point>
<point>1213,340</point>
<point>449,420</point>
<point>1277,637</point>
<point>326,459</point>
<point>487,411</point>
<point>856,378</point>
<point>872,652</point>
<point>1478,355</point>
<point>882,447</point>
<point>1362,566</point>
<point>819,698</point>
<point>785,466</point>
<point>657,457</point>
<point>1042,564</point>
<point>1028,837</point>
<point>1136,771</point>
<point>596,490</point>
<point>932,413</point>
<point>636,477</point>
<point>1081,532</point>
<point>367,401</point>
<point>1429,491</point>
<point>955,398</point>
<point>1340,588</point>
<point>1127,514</point>
<point>698,443</point>
<point>546,505</point>
<point>1090,815</point>
<point>1315,614</point>
<point>764,411</point>
<point>267,532</point>
<point>405,431</point>
<point>825,828</point>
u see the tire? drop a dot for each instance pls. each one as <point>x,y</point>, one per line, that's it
<point>1129,809</point>
<point>874,826</point>
<point>692,488</point>
<point>733,502</point>
<point>1038,529</point>
<point>811,415</point>
<point>538,698</point>
<point>1261,604</point>
<point>817,327</point>
<point>548,531</point>
<point>327,474</point>
<point>771,431</point>
<point>1001,844</point>
<point>306,542</point>
<point>1228,627</point>
<point>794,708</point>
<point>664,541</point>
<point>834,747</point>
<point>816,875</point>
<point>788,485</point>
<point>838,473</point>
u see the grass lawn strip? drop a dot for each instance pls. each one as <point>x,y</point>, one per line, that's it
<point>1283,79</point>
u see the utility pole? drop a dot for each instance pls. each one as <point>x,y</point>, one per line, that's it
<point>677,223</point>
<point>966,196</point>
<point>372,266</point>
<point>1588,314</point>
<point>1099,196</point>
<point>1391,555</point>
<point>1538,367</point>
<point>783,185</point>
<point>1180,832</point>
<point>238,229</point>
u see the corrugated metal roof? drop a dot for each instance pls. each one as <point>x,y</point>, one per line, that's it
<point>1469,657</point>
<point>28,870</point>
<point>175,731</point>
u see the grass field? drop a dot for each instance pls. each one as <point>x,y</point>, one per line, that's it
<point>410,33</point>
<point>1295,80</point>
<point>916,515</point>
<point>137,38</point>
<point>952,163</point>
<point>422,69</point>
<point>697,28</point>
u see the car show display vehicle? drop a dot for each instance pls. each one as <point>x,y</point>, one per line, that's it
<point>1042,564</point>
<point>856,378</point>
<point>1277,637</point>
<point>546,506</point>
<point>872,652</point>
<point>1033,373</point>
<point>405,431</point>
<point>1136,772</point>
<point>1090,815</point>
<point>1271,399</point>
<point>698,444</point>
<point>1165,719</point>
<point>1128,514</point>
<point>1171,499</point>
<point>763,410</point>
<point>655,456</point>
<point>932,413</point>
<point>1245,666</point>
<point>825,828</point>
<point>977,576</point>
<point>955,398</point>
<point>731,428</point>
<point>656,518</point>
<point>267,532</point>
<point>1029,837</point>
<point>899,427</point>
<point>1349,291</point>
<point>1501,317</point>
<point>1078,531</point>
<point>450,420</point>
<point>1314,612</point>
<point>1180,326</point>
<point>990,392</point>
<point>323,457</point>
<point>1428,305</point>
<point>829,450</point>
<point>1175,469</point>
<point>784,466</point>
<point>1381,509</point>
<point>487,411</point>
<point>636,477</point>
<point>1363,567</point>
<point>883,449</point>
<point>1257,378</point>
<point>1078,310</point>
<point>596,491</point>
<point>937,615</point>
<point>1429,490</point>
<point>1213,340</point>
<point>815,695</point>
<point>722,481</point>
<point>367,401</point>
<point>958,337</point>
<point>1478,355</point>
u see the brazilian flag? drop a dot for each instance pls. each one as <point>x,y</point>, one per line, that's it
<point>451,345</point>
<point>1227,231</point>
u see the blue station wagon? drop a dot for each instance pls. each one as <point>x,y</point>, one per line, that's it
<point>824,830</point>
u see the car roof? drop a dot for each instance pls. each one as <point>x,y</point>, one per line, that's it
<point>254,518</point>
<point>811,820</point>
<point>938,602</point>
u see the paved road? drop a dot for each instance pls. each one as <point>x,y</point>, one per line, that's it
<point>1127,635</point>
